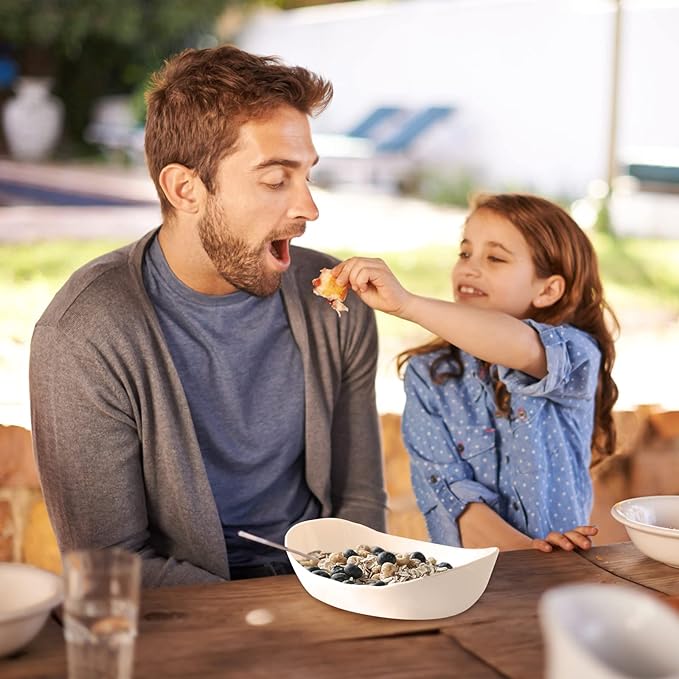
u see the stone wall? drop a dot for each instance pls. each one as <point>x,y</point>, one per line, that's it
<point>646,463</point>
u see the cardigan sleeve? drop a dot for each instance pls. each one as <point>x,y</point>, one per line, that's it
<point>357,491</point>
<point>89,457</point>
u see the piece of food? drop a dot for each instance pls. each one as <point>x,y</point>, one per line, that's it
<point>326,286</point>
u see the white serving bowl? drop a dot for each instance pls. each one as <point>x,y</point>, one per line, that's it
<point>597,631</point>
<point>436,596</point>
<point>27,596</point>
<point>652,524</point>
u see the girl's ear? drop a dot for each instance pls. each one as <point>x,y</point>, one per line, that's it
<point>551,291</point>
<point>182,187</point>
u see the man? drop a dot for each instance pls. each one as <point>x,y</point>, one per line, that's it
<point>191,385</point>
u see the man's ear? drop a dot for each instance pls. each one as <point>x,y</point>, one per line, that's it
<point>551,291</point>
<point>182,187</point>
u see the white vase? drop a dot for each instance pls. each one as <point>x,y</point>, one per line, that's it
<point>32,119</point>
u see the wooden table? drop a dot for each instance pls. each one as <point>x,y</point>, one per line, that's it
<point>201,631</point>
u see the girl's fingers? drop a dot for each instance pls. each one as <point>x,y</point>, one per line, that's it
<point>587,530</point>
<point>578,539</point>
<point>541,545</point>
<point>560,540</point>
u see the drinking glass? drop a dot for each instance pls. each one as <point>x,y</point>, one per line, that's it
<point>101,606</point>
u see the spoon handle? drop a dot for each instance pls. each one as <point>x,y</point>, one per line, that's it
<point>264,541</point>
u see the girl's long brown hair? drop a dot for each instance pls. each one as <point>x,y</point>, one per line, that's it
<point>559,246</point>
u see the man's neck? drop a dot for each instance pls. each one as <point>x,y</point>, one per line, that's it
<point>189,262</point>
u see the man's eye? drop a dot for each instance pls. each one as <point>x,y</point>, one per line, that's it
<point>275,186</point>
<point>464,255</point>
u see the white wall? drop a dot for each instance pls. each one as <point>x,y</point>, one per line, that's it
<point>530,78</point>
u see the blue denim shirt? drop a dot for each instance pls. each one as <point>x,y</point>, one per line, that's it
<point>532,467</point>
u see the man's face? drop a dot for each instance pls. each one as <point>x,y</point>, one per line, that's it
<point>261,201</point>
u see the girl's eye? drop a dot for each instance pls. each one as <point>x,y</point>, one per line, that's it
<point>276,186</point>
<point>464,255</point>
<point>492,258</point>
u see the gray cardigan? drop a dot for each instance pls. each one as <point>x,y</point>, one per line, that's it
<point>116,449</point>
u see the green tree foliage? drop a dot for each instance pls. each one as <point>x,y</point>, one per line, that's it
<point>98,47</point>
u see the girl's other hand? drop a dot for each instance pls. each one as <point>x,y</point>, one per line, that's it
<point>372,280</point>
<point>578,537</point>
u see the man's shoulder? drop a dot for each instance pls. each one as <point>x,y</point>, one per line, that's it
<point>103,283</point>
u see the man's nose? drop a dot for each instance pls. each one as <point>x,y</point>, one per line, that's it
<point>304,206</point>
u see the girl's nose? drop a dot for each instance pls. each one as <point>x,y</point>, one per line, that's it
<point>471,266</point>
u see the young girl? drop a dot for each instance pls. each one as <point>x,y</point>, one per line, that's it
<point>504,410</point>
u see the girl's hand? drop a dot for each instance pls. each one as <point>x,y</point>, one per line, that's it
<point>373,281</point>
<point>577,537</point>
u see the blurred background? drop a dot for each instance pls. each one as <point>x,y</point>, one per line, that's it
<point>434,99</point>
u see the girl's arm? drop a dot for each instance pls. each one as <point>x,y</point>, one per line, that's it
<point>480,526</point>
<point>491,336</point>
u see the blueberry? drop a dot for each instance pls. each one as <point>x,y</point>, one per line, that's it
<point>322,573</point>
<point>340,577</point>
<point>353,571</point>
<point>418,555</point>
<point>376,550</point>
<point>338,568</point>
<point>384,557</point>
<point>443,564</point>
<point>349,552</point>
<point>378,583</point>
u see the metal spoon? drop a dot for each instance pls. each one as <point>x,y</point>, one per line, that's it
<point>264,541</point>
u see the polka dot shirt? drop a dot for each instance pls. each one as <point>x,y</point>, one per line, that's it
<point>532,467</point>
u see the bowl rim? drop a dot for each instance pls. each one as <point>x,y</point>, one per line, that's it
<point>480,553</point>
<point>41,606</point>
<point>617,514</point>
<point>389,602</point>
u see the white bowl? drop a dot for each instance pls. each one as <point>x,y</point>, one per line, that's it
<point>598,631</point>
<point>435,596</point>
<point>28,595</point>
<point>652,524</point>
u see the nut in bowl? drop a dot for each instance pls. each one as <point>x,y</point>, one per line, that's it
<point>28,595</point>
<point>652,523</point>
<point>451,588</point>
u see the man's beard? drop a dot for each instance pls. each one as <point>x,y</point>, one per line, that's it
<point>235,261</point>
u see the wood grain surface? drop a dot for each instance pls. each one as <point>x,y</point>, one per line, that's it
<point>211,630</point>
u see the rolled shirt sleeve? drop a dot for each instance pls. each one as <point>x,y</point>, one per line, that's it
<point>573,360</point>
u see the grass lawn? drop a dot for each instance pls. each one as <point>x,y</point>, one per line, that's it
<point>638,273</point>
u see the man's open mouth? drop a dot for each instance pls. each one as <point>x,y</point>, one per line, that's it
<point>280,249</point>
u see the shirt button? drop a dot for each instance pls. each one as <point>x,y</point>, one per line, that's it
<point>433,478</point>
<point>460,447</point>
<point>507,459</point>
<point>515,505</point>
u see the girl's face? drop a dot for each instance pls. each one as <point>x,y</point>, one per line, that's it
<point>495,268</point>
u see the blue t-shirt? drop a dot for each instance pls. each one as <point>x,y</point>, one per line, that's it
<point>244,382</point>
<point>532,467</point>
